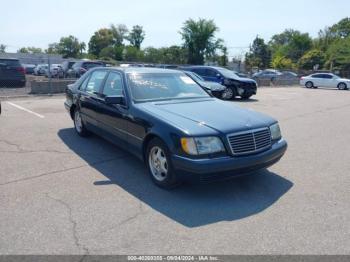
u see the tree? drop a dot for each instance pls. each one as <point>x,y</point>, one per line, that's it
<point>2,48</point>
<point>324,39</point>
<point>30,50</point>
<point>342,28</point>
<point>338,54</point>
<point>52,49</point>
<point>282,62</point>
<point>223,59</point>
<point>132,54</point>
<point>153,55</point>
<point>101,39</point>
<point>312,58</point>
<point>23,50</point>
<point>259,54</point>
<point>199,39</point>
<point>290,44</point>
<point>119,33</point>
<point>136,36</point>
<point>70,47</point>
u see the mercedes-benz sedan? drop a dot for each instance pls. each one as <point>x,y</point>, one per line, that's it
<point>179,130</point>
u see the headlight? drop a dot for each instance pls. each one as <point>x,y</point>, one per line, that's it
<point>275,131</point>
<point>202,145</point>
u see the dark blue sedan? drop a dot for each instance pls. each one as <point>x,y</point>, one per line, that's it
<point>167,120</point>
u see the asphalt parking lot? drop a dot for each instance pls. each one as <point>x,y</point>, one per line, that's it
<point>63,194</point>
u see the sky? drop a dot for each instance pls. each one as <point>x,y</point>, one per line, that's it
<point>38,22</point>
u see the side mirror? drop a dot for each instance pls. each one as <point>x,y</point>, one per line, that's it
<point>218,75</point>
<point>114,100</point>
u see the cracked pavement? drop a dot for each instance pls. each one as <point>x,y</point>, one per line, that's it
<point>63,194</point>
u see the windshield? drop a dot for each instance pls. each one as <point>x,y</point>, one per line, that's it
<point>163,86</point>
<point>227,73</point>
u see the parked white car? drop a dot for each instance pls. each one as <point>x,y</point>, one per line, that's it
<point>325,80</point>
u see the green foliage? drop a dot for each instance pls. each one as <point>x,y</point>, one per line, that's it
<point>199,39</point>
<point>342,28</point>
<point>166,55</point>
<point>312,58</point>
<point>119,33</point>
<point>70,47</point>
<point>291,44</point>
<point>338,54</point>
<point>259,54</point>
<point>30,50</point>
<point>136,36</point>
<point>101,39</point>
<point>52,49</point>
<point>132,54</point>
<point>282,62</point>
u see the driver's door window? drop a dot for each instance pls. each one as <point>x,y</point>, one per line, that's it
<point>113,85</point>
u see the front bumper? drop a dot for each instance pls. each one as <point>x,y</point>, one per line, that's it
<point>225,167</point>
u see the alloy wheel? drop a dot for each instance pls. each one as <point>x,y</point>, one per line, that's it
<point>78,122</point>
<point>158,163</point>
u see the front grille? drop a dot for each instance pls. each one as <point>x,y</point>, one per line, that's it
<point>249,142</point>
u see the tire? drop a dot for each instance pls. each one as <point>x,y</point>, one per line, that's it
<point>309,84</point>
<point>79,125</point>
<point>159,164</point>
<point>342,86</point>
<point>228,94</point>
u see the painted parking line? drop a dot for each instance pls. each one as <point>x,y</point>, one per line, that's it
<point>25,109</point>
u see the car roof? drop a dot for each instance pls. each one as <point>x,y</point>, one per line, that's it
<point>140,70</point>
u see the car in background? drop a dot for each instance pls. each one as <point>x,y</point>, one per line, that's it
<point>216,89</point>
<point>29,68</point>
<point>273,75</point>
<point>173,125</point>
<point>41,69</point>
<point>240,86</point>
<point>12,73</point>
<point>81,67</point>
<point>56,71</point>
<point>268,74</point>
<point>66,66</point>
<point>325,80</point>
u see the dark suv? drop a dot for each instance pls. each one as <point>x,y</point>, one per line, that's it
<point>240,86</point>
<point>12,73</point>
<point>81,67</point>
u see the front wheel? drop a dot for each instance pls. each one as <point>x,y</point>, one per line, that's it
<point>342,86</point>
<point>79,125</point>
<point>159,164</point>
<point>228,94</point>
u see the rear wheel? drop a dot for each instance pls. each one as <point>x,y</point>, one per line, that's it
<point>79,125</point>
<point>342,86</point>
<point>159,164</point>
<point>309,84</point>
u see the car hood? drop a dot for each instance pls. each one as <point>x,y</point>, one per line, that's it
<point>244,79</point>
<point>207,116</point>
